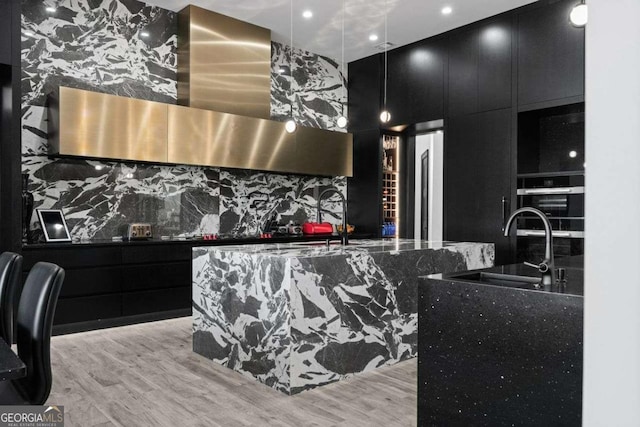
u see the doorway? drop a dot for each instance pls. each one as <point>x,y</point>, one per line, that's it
<point>429,158</point>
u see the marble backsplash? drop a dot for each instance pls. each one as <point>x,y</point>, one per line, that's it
<point>99,46</point>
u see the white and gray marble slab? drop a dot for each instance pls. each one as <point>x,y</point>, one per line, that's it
<point>100,45</point>
<point>297,316</point>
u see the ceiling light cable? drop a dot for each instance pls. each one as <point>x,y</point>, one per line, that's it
<point>290,126</point>
<point>342,120</point>
<point>385,116</point>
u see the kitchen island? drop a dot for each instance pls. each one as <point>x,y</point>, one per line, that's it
<point>498,351</point>
<point>300,315</point>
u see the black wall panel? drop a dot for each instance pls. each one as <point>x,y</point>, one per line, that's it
<point>364,93</point>
<point>550,54</point>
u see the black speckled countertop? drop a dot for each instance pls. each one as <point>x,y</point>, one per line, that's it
<point>500,355</point>
<point>573,266</point>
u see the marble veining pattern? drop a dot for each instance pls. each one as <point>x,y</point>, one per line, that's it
<point>343,310</point>
<point>248,199</point>
<point>318,93</point>
<point>99,45</point>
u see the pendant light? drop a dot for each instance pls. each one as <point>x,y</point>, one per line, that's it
<point>579,14</point>
<point>291,125</point>
<point>385,116</point>
<point>342,120</point>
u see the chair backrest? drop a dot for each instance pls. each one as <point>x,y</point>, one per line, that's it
<point>35,319</point>
<point>10,284</point>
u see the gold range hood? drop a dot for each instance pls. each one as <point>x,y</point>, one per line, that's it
<point>222,119</point>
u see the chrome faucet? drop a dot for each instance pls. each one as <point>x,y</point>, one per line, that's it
<point>344,236</point>
<point>547,266</point>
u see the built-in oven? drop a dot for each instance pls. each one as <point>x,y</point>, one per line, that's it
<point>561,198</point>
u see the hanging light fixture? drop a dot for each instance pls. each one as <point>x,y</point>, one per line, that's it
<point>579,14</point>
<point>342,120</point>
<point>385,116</point>
<point>291,125</point>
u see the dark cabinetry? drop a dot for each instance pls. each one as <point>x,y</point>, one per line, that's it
<point>477,78</point>
<point>477,176</point>
<point>550,54</point>
<point>415,88</point>
<point>480,67</point>
<point>365,187</point>
<point>365,79</point>
<point>463,73</point>
<point>106,283</point>
<point>5,31</point>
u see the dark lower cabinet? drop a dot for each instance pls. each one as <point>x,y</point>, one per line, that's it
<point>136,303</point>
<point>88,309</point>
<point>477,176</point>
<point>117,284</point>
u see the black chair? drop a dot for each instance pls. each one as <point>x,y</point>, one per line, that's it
<point>35,318</point>
<point>10,283</point>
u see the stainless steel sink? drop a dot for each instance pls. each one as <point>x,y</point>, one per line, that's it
<point>499,279</point>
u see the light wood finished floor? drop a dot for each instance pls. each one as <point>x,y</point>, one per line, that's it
<point>147,375</point>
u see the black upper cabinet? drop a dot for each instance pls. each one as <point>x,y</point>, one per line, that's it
<point>415,88</point>
<point>364,93</point>
<point>5,31</point>
<point>463,72</point>
<point>480,67</point>
<point>494,64</point>
<point>477,176</point>
<point>550,54</point>
<point>365,187</point>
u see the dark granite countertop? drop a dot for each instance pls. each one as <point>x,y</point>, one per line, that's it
<point>573,268</point>
<point>199,242</point>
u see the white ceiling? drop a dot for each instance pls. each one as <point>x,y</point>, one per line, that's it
<point>407,20</point>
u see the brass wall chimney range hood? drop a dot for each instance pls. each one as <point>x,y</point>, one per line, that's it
<point>222,120</point>
<point>223,64</point>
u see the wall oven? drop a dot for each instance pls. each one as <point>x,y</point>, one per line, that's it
<point>560,197</point>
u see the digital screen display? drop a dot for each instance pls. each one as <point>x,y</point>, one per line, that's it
<point>54,225</point>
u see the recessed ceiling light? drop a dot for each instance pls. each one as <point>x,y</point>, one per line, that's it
<point>573,154</point>
<point>50,9</point>
<point>373,37</point>
<point>307,14</point>
<point>144,34</point>
<point>446,10</point>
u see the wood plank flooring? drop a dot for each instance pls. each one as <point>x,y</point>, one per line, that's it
<point>147,375</point>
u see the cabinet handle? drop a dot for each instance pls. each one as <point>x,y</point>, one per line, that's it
<point>504,212</point>
<point>557,190</point>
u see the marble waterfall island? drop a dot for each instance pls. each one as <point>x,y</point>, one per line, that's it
<point>300,315</point>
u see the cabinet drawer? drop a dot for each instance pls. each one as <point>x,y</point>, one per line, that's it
<point>156,253</point>
<point>72,310</point>
<point>155,301</point>
<point>93,281</point>
<point>156,276</point>
<point>73,257</point>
